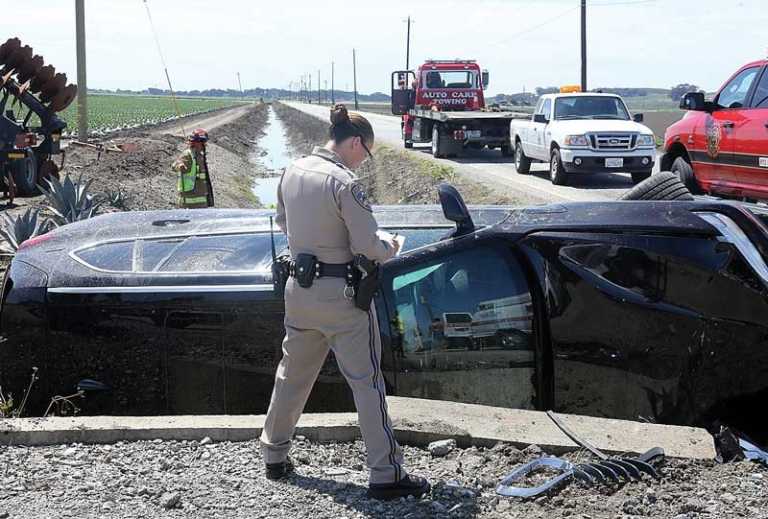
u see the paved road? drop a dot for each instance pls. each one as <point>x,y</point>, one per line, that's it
<point>489,167</point>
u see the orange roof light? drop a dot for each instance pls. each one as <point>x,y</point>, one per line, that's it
<point>570,89</point>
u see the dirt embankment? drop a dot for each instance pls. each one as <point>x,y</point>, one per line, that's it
<point>393,177</point>
<point>144,174</point>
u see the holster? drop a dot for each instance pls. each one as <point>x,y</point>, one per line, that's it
<point>281,271</point>
<point>305,269</point>
<point>368,283</point>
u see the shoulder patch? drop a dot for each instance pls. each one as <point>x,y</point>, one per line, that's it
<point>358,193</point>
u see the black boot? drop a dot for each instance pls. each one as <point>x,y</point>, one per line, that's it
<point>279,470</point>
<point>408,486</point>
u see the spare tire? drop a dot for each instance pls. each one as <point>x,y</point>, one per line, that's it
<point>661,186</point>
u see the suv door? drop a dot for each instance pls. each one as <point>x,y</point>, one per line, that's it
<point>460,325</point>
<point>750,172</point>
<point>715,141</point>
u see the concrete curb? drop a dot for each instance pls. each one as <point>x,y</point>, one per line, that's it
<point>416,422</point>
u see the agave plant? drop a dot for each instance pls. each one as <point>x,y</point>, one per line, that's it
<point>16,230</point>
<point>117,198</point>
<point>69,200</point>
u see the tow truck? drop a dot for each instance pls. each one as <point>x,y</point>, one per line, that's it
<point>583,132</point>
<point>442,103</point>
<point>721,146</point>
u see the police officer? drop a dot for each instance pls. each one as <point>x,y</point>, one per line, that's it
<point>194,183</point>
<point>324,212</point>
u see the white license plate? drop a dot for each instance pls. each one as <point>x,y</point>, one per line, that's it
<point>472,134</point>
<point>614,163</point>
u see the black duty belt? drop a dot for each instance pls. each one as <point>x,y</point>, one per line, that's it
<point>327,270</point>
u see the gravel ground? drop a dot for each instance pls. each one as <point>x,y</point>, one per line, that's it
<point>204,479</point>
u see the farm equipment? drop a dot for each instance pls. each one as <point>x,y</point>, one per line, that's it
<point>29,88</point>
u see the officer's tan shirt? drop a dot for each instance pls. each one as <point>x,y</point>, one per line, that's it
<point>323,210</point>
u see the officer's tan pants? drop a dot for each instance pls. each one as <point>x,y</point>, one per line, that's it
<point>316,320</point>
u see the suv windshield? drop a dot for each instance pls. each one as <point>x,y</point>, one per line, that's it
<point>590,107</point>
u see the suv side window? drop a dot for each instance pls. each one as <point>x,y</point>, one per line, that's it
<point>760,99</point>
<point>734,94</point>
<point>462,329</point>
<point>547,109</point>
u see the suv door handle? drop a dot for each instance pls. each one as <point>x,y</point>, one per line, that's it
<point>727,124</point>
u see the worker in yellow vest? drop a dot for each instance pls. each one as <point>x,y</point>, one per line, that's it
<point>194,184</point>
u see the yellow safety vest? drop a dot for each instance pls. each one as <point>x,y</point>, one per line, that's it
<point>186,184</point>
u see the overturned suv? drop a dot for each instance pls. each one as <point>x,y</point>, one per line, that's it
<point>654,310</point>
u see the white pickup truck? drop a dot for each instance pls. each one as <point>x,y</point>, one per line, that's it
<point>583,133</point>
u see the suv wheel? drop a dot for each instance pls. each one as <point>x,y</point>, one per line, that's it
<point>522,163</point>
<point>661,186</point>
<point>684,172</point>
<point>557,173</point>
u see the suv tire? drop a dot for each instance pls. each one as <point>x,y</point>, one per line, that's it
<point>684,172</point>
<point>661,186</point>
<point>557,173</point>
<point>522,163</point>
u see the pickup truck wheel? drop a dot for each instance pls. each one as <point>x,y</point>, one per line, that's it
<point>437,151</point>
<point>25,174</point>
<point>661,186</point>
<point>557,173</point>
<point>522,163</point>
<point>684,172</point>
<point>639,176</point>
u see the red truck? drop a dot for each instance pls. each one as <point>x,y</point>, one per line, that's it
<point>443,103</point>
<point>721,146</point>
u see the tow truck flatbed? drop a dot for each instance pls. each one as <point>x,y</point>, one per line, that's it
<point>468,115</point>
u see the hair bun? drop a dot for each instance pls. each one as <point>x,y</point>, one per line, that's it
<point>339,114</point>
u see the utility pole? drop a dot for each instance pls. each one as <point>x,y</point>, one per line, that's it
<point>333,96</point>
<point>354,76</point>
<point>309,89</point>
<point>583,45</point>
<point>240,86</point>
<point>318,87</point>
<point>325,84</point>
<point>82,87</point>
<point>408,46</point>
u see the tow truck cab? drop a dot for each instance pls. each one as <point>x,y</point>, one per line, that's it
<point>721,146</point>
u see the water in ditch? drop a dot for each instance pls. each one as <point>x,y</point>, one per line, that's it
<point>274,155</point>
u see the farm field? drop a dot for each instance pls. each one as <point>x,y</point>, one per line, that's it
<point>109,112</point>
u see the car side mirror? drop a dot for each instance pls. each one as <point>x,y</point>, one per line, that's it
<point>638,118</point>
<point>693,101</point>
<point>455,209</point>
<point>486,77</point>
<point>540,118</point>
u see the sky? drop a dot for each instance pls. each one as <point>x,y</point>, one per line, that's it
<point>523,43</point>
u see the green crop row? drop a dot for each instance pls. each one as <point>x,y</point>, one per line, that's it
<point>108,112</point>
